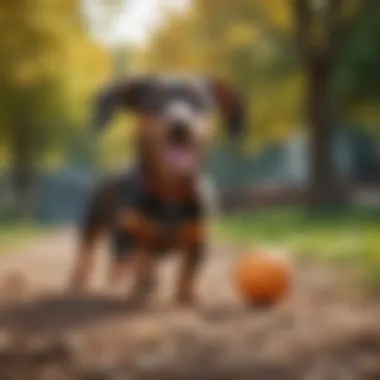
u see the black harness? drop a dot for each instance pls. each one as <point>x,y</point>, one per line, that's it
<point>170,216</point>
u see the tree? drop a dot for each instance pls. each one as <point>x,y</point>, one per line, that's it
<point>319,29</point>
<point>253,44</point>
<point>28,54</point>
<point>357,81</point>
<point>236,41</point>
<point>319,54</point>
<point>47,70</point>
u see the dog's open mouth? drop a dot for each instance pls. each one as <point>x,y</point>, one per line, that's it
<point>181,158</point>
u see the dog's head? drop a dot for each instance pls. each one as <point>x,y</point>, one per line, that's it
<point>175,128</point>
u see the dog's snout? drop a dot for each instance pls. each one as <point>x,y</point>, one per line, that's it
<point>179,131</point>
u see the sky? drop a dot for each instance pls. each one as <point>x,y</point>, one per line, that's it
<point>132,23</point>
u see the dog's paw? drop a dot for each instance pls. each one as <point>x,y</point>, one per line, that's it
<point>185,301</point>
<point>142,292</point>
<point>73,288</point>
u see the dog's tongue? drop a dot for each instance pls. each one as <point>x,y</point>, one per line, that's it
<point>180,158</point>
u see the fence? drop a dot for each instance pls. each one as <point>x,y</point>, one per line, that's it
<point>278,174</point>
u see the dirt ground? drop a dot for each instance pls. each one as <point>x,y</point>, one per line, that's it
<point>327,328</point>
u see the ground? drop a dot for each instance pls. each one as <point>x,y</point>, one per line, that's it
<point>328,327</point>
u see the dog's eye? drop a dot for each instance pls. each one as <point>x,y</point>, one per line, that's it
<point>153,103</point>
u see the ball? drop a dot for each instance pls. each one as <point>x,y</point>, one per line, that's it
<point>263,278</point>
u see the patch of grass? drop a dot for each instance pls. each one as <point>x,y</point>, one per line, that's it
<point>17,234</point>
<point>350,237</point>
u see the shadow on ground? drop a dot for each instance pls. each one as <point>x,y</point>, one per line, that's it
<point>62,312</point>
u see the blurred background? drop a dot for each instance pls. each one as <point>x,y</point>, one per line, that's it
<point>308,173</point>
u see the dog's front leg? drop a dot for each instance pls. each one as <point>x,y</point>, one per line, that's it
<point>145,273</point>
<point>96,222</point>
<point>83,264</point>
<point>118,271</point>
<point>192,245</point>
<point>192,257</point>
<point>145,234</point>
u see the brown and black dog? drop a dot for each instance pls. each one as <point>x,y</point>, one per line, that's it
<point>158,205</point>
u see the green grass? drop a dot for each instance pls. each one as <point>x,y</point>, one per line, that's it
<point>351,237</point>
<point>14,235</point>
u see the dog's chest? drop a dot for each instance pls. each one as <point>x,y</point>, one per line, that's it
<point>170,216</point>
<point>169,213</point>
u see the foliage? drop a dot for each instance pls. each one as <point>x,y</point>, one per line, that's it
<point>234,40</point>
<point>253,44</point>
<point>48,69</point>
<point>357,78</point>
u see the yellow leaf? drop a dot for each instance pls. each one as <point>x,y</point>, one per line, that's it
<point>241,34</point>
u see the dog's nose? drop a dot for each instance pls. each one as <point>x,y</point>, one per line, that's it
<point>179,131</point>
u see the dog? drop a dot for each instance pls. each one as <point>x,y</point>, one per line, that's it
<point>158,205</point>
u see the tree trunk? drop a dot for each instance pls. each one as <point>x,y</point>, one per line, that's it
<point>324,182</point>
<point>319,62</point>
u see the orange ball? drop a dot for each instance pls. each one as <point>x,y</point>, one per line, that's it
<point>263,278</point>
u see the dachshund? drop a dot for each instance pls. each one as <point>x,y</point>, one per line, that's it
<point>158,204</point>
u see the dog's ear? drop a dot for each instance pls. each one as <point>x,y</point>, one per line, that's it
<point>230,104</point>
<point>125,94</point>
